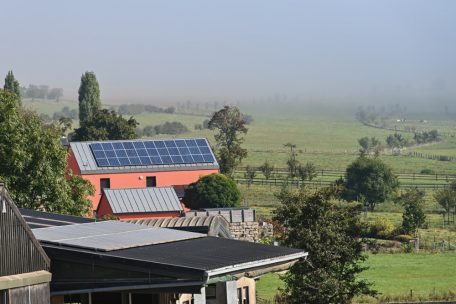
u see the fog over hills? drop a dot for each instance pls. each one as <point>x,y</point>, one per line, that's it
<point>303,51</point>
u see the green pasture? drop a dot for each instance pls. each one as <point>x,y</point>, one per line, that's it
<point>395,276</point>
<point>326,136</point>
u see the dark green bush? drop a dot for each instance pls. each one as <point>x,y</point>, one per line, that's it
<point>212,191</point>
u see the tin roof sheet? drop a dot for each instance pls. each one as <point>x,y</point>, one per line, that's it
<point>143,200</point>
<point>110,235</point>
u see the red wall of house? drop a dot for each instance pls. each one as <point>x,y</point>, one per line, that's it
<point>137,179</point>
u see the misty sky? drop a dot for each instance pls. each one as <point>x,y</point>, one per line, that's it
<point>205,50</point>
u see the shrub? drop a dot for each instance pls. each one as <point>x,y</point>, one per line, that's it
<point>149,131</point>
<point>381,228</point>
<point>427,171</point>
<point>403,238</point>
<point>213,191</point>
<point>173,127</point>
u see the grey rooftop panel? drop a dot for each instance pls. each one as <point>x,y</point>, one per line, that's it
<point>110,235</point>
<point>143,200</point>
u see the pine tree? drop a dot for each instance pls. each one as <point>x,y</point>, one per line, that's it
<point>89,97</point>
<point>12,85</point>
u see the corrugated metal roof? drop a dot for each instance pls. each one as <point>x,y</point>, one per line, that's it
<point>110,235</point>
<point>143,200</point>
<point>214,225</point>
<point>88,165</point>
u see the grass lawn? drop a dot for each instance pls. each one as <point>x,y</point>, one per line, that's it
<point>268,285</point>
<point>394,275</point>
<point>424,273</point>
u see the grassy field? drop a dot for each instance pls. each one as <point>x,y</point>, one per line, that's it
<point>326,136</point>
<point>395,276</point>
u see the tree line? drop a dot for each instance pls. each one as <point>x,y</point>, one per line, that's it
<point>41,92</point>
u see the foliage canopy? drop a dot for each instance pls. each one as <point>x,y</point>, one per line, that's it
<point>230,125</point>
<point>89,97</point>
<point>34,164</point>
<point>370,180</point>
<point>328,231</point>
<point>213,191</point>
<point>106,125</point>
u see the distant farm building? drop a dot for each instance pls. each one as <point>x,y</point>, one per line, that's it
<point>141,163</point>
<point>137,203</point>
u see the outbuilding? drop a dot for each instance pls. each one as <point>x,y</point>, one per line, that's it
<point>24,266</point>
<point>139,203</point>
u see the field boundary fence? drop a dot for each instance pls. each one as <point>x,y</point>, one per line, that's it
<point>326,177</point>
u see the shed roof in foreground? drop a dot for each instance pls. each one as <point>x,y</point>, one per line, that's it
<point>40,219</point>
<point>110,235</point>
<point>143,200</point>
<point>88,164</point>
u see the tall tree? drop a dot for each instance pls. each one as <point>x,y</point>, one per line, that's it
<point>89,97</point>
<point>413,217</point>
<point>292,163</point>
<point>12,85</point>
<point>369,179</point>
<point>328,231</point>
<point>230,125</point>
<point>446,198</point>
<point>34,164</point>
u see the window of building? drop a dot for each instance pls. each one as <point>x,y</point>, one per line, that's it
<point>239,295</point>
<point>151,181</point>
<point>3,297</point>
<point>246,295</point>
<point>105,183</point>
<point>211,292</point>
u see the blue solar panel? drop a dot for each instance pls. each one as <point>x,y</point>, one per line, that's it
<point>152,152</point>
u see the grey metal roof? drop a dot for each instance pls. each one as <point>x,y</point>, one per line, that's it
<point>143,200</point>
<point>88,165</point>
<point>110,235</point>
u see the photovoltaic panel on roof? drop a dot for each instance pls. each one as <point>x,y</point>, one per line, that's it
<point>152,152</point>
<point>110,235</point>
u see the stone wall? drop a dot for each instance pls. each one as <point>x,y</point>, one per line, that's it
<point>250,231</point>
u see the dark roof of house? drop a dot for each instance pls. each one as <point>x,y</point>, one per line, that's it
<point>39,219</point>
<point>88,164</point>
<point>214,225</point>
<point>209,253</point>
<point>143,200</point>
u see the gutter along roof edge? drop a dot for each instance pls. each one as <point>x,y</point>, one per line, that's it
<point>259,263</point>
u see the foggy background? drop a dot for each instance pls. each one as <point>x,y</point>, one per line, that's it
<point>168,51</point>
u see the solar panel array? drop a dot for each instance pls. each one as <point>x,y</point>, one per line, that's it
<point>152,152</point>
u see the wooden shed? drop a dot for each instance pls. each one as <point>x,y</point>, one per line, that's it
<point>24,266</point>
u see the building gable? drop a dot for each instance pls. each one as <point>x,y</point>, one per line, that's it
<point>19,250</point>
